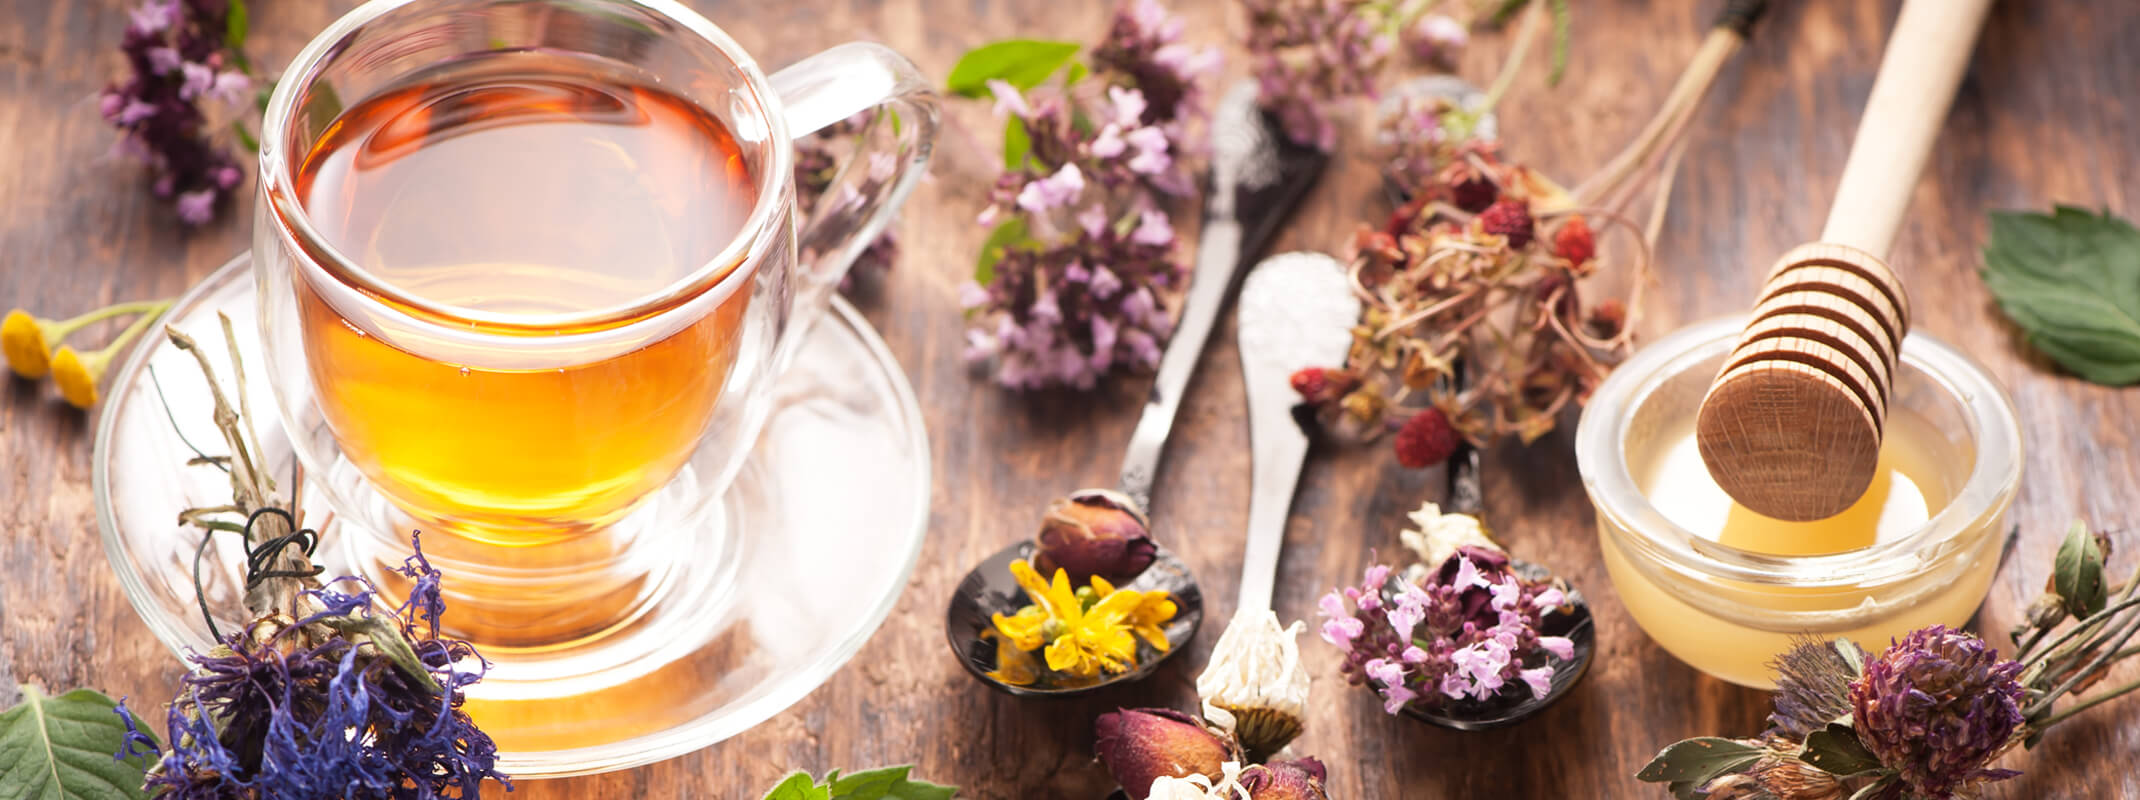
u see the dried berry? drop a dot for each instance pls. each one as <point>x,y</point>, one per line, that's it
<point>1607,319</point>
<point>1474,194</point>
<point>1576,243</point>
<point>1508,218</point>
<point>1426,439</point>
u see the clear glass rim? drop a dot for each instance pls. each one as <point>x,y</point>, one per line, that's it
<point>722,273</point>
<point>1654,538</point>
<point>689,736</point>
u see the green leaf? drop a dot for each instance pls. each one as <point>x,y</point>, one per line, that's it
<point>1023,63</point>
<point>61,748</point>
<point>2077,573</point>
<point>1698,760</point>
<point>245,137</point>
<point>1077,72</point>
<point>1874,789</point>
<point>1563,21</point>
<point>1010,234</point>
<point>911,789</point>
<point>2071,281</point>
<point>866,785</point>
<point>1852,655</point>
<point>234,30</point>
<point>799,786</point>
<point>1017,143</point>
<point>1836,749</point>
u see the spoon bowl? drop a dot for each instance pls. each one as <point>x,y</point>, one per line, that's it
<point>989,589</point>
<point>1573,620</point>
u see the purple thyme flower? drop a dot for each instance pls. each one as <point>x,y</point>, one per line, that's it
<point>273,712</point>
<point>1436,39</point>
<point>1468,633</point>
<point>1310,55</point>
<point>1082,289</point>
<point>816,166</point>
<point>176,56</point>
<point>1937,707</point>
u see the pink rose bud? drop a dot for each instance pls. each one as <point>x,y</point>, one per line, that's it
<point>1145,744</point>
<point>1095,532</point>
<point>1285,780</point>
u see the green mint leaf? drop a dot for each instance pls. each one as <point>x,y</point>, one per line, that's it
<point>61,748</point>
<point>1077,72</point>
<point>2077,573</point>
<point>1698,760</point>
<point>1836,750</point>
<point>920,790</point>
<point>245,137</point>
<point>2071,280</point>
<point>1023,63</point>
<point>1010,234</point>
<point>799,786</point>
<point>235,26</point>
<point>1017,143</point>
<point>866,785</point>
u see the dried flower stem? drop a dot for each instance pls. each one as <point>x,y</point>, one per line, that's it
<point>1611,186</point>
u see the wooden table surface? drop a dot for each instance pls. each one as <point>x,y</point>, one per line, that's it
<point>2041,118</point>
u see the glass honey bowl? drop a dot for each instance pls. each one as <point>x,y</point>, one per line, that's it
<point>1726,609</point>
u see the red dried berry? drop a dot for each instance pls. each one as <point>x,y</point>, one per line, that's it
<point>1608,318</point>
<point>1575,242</point>
<point>1510,218</point>
<point>1310,383</point>
<point>1426,439</point>
<point>1474,194</point>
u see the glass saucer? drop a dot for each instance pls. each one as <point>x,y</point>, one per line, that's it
<point>841,467</point>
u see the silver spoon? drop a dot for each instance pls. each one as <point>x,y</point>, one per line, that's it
<point>1257,178</point>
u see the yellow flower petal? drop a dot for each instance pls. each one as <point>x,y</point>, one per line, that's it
<point>1030,581</point>
<point>1014,666</point>
<point>1064,655</point>
<point>1101,587</point>
<point>1114,647</point>
<point>1023,629</point>
<point>24,340</point>
<point>76,379</point>
<point>1063,599</point>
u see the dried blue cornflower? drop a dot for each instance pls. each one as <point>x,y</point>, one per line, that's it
<point>1075,275</point>
<point>350,702</point>
<point>180,54</point>
<point>1937,707</point>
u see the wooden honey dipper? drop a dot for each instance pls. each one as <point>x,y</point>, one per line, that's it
<point>1791,428</point>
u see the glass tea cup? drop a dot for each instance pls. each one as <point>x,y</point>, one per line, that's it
<point>555,368</point>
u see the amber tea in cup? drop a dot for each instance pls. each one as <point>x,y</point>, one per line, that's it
<point>504,191</point>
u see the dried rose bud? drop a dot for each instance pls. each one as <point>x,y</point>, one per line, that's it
<point>1510,219</point>
<point>1607,319</point>
<point>1095,532</point>
<point>1286,780</point>
<point>1142,745</point>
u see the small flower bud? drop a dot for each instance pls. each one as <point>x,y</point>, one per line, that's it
<point>1095,532</point>
<point>1285,780</point>
<point>1792,779</point>
<point>1142,745</point>
<point>23,338</point>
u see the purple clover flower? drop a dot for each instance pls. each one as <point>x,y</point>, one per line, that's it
<point>176,58</point>
<point>1937,707</point>
<point>1468,633</point>
<point>1311,55</point>
<point>1084,290</point>
<point>269,713</point>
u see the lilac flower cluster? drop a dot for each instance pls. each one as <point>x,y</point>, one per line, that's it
<point>1310,55</point>
<point>177,55</point>
<point>1468,632</point>
<point>1937,707</point>
<point>276,711</point>
<point>1082,255</point>
<point>817,165</point>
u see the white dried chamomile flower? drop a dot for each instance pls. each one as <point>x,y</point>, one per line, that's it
<point>1254,686</point>
<point>1198,787</point>
<point>1437,535</point>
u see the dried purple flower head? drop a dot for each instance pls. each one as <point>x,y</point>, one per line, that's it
<point>1312,55</point>
<point>1468,634</point>
<point>1812,686</point>
<point>177,56</point>
<point>1142,745</point>
<point>1436,39</point>
<point>817,166</point>
<point>1937,707</point>
<point>1081,258</point>
<point>1095,532</point>
<point>329,706</point>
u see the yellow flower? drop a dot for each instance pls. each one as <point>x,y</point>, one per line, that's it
<point>77,375</point>
<point>1014,665</point>
<point>1081,639</point>
<point>28,341</point>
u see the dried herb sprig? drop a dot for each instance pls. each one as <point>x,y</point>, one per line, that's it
<point>182,56</point>
<point>1488,263</point>
<point>1927,718</point>
<point>322,693</point>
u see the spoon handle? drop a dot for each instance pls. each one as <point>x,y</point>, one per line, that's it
<point>1274,475</point>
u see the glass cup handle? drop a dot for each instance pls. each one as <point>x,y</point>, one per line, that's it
<point>889,158</point>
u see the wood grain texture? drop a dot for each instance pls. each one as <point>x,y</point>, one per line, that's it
<point>2039,118</point>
